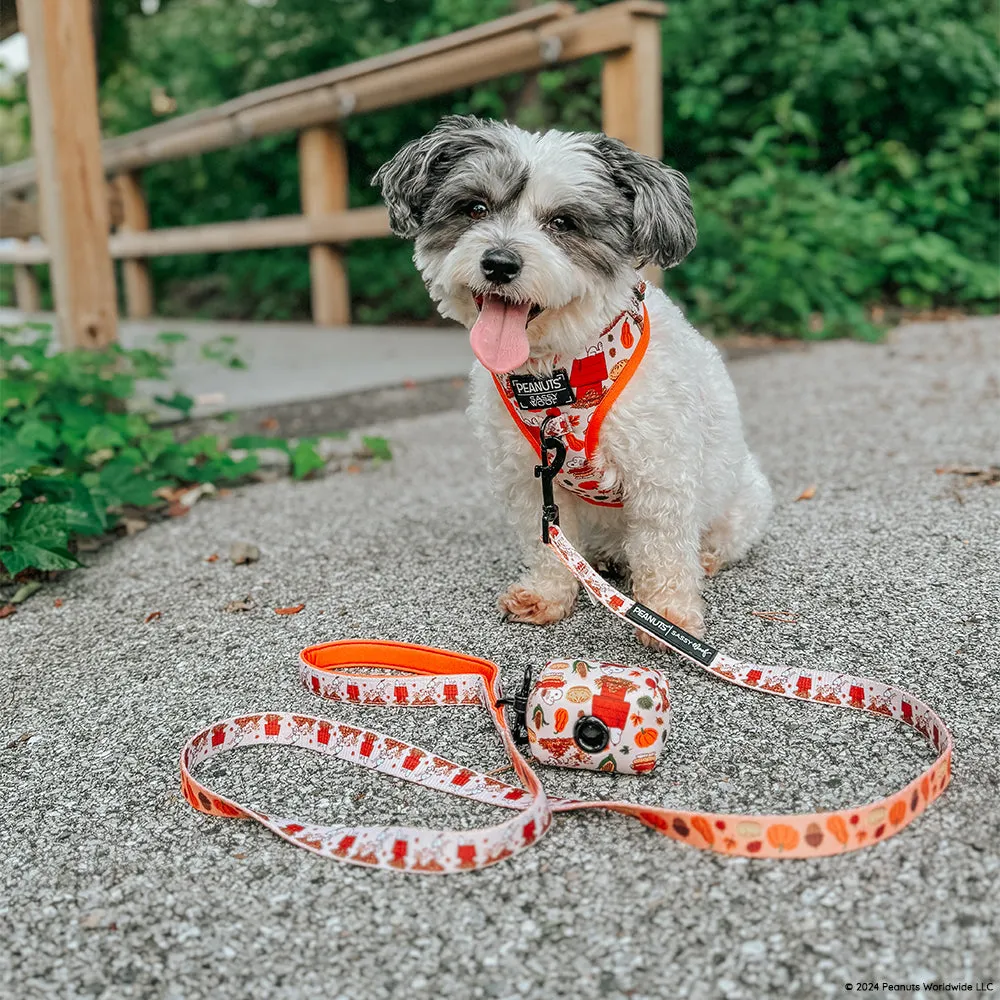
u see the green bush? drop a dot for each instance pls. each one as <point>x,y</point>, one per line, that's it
<point>842,153</point>
<point>74,457</point>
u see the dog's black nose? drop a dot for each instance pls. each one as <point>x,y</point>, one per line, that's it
<point>501,266</point>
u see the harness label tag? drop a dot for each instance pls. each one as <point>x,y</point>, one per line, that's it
<point>673,636</point>
<point>537,392</point>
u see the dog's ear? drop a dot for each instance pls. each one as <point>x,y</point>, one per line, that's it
<point>410,178</point>
<point>664,231</point>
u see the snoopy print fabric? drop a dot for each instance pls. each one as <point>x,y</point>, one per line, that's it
<point>627,708</point>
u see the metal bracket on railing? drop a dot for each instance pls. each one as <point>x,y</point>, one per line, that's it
<point>550,48</point>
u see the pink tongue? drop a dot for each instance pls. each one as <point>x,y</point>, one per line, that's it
<point>499,338</point>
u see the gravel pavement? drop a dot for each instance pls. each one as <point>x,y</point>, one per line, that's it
<point>112,887</point>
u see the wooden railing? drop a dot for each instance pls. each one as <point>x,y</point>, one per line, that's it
<point>627,34</point>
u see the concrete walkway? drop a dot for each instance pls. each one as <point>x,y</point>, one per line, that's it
<point>112,887</point>
<point>291,362</point>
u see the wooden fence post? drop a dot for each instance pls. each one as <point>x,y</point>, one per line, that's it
<point>62,93</point>
<point>135,271</point>
<point>323,188</point>
<point>632,92</point>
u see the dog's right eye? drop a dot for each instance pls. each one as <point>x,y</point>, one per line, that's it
<point>477,210</point>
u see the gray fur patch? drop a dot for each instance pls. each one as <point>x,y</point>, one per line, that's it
<point>495,177</point>
<point>601,239</point>
<point>408,181</point>
<point>664,231</point>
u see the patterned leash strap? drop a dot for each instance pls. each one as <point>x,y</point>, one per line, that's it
<point>420,677</point>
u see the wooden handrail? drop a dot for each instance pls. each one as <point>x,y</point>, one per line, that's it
<point>222,237</point>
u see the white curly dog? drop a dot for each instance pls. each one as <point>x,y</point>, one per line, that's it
<point>532,242</point>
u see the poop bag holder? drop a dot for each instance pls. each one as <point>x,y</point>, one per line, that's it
<point>593,714</point>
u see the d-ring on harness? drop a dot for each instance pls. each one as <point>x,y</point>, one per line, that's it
<point>339,671</point>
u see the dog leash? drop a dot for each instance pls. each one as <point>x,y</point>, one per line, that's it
<point>418,676</point>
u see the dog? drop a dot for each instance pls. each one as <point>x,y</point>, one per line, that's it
<point>533,242</point>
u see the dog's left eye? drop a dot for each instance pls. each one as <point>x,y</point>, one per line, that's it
<point>477,210</point>
<point>561,224</point>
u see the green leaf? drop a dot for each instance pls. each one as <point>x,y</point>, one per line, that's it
<point>15,458</point>
<point>178,401</point>
<point>255,442</point>
<point>171,337</point>
<point>101,437</point>
<point>26,555</point>
<point>37,434</point>
<point>378,447</point>
<point>154,444</point>
<point>15,393</point>
<point>305,459</point>
<point>121,484</point>
<point>8,498</point>
<point>41,523</point>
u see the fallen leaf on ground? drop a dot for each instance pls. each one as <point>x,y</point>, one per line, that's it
<point>177,510</point>
<point>23,738</point>
<point>988,475</point>
<point>214,557</point>
<point>234,607</point>
<point>7,610</point>
<point>25,591</point>
<point>376,447</point>
<point>133,525</point>
<point>269,424</point>
<point>785,617</point>
<point>354,469</point>
<point>190,497</point>
<point>152,616</point>
<point>289,611</point>
<point>808,493</point>
<point>57,603</point>
<point>243,552</point>
<point>169,493</point>
<point>240,857</point>
<point>409,383</point>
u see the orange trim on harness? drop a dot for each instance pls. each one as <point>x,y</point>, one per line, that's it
<point>615,389</point>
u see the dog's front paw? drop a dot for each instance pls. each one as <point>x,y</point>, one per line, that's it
<point>523,605</point>
<point>689,617</point>
<point>711,562</point>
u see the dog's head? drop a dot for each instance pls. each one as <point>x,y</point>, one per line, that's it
<point>531,240</point>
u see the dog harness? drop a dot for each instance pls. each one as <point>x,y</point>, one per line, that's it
<point>581,390</point>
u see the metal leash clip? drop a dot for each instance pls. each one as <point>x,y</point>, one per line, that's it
<point>519,705</point>
<point>547,471</point>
